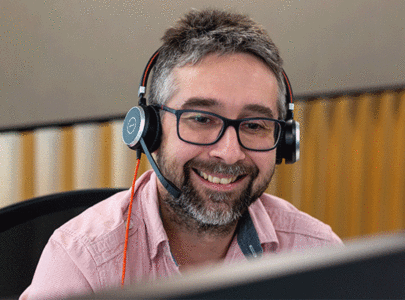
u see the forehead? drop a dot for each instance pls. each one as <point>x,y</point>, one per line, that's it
<point>231,84</point>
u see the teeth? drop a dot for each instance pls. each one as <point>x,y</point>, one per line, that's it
<point>214,179</point>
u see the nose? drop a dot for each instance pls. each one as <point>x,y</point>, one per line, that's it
<point>228,148</point>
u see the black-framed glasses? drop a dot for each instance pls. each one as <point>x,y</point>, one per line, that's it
<point>204,128</point>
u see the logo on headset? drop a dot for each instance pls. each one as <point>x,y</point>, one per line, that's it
<point>131,125</point>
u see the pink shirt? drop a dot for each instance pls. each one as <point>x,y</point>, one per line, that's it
<point>85,254</point>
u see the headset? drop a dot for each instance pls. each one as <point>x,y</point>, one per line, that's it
<point>289,144</point>
<point>142,129</point>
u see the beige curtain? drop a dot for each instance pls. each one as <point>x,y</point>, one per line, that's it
<point>352,169</point>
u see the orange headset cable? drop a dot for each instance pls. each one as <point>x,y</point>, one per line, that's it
<point>124,262</point>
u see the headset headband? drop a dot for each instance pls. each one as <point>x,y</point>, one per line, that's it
<point>149,128</point>
<point>152,61</point>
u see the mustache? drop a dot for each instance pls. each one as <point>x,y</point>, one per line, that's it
<point>237,169</point>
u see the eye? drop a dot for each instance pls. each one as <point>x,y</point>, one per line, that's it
<point>257,126</point>
<point>253,126</point>
<point>202,119</point>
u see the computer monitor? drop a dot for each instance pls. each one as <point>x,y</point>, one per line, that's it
<point>367,268</point>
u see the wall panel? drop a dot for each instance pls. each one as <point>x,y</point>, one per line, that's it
<point>337,147</point>
<point>393,174</point>
<point>87,170</point>
<point>397,183</point>
<point>46,158</point>
<point>357,166</point>
<point>377,153</point>
<point>313,158</point>
<point>27,165</point>
<point>10,166</point>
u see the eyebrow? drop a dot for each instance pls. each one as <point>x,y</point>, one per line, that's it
<point>256,108</point>
<point>200,102</point>
<point>197,102</point>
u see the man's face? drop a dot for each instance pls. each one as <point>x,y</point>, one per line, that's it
<point>219,181</point>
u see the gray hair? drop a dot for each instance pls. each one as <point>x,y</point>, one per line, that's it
<point>204,32</point>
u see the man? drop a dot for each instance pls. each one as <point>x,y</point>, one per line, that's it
<point>213,68</point>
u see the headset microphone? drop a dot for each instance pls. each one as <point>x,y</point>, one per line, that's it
<point>168,185</point>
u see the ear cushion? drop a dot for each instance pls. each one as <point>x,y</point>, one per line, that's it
<point>142,122</point>
<point>289,144</point>
<point>153,128</point>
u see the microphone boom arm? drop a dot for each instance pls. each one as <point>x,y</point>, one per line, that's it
<point>169,186</point>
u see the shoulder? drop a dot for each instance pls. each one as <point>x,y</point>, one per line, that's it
<point>107,216</point>
<point>95,236</point>
<point>76,249</point>
<point>101,228</point>
<point>89,246</point>
<point>98,220</point>
<point>288,221</point>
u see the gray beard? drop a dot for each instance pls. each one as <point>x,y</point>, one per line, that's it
<point>190,209</point>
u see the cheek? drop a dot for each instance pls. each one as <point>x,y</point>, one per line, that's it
<point>265,161</point>
<point>174,149</point>
<point>169,140</point>
<point>169,131</point>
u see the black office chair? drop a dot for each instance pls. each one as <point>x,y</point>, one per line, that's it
<point>25,228</point>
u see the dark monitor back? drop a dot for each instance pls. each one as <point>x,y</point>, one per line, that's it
<point>370,268</point>
<point>375,278</point>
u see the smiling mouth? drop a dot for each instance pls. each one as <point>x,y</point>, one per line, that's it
<point>218,180</point>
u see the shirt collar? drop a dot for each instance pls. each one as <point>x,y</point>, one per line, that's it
<point>263,225</point>
<point>155,232</point>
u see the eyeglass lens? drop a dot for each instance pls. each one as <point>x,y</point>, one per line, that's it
<point>203,129</point>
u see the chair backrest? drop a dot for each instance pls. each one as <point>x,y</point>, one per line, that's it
<point>25,228</point>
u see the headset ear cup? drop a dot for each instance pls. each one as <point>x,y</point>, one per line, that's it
<point>153,129</point>
<point>142,122</point>
<point>280,150</point>
<point>289,145</point>
<point>133,127</point>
